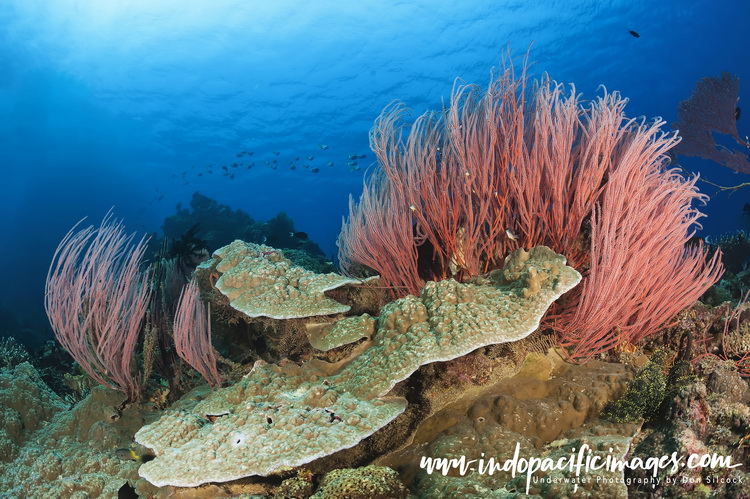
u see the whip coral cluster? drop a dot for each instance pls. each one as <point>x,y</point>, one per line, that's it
<point>96,299</point>
<point>517,166</point>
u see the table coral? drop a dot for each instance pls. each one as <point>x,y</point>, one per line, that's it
<point>260,282</point>
<point>285,416</point>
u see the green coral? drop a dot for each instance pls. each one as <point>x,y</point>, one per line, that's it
<point>644,394</point>
<point>370,482</point>
<point>12,353</point>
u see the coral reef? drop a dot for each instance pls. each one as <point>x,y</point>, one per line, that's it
<point>12,352</point>
<point>549,410</point>
<point>327,336</point>
<point>298,414</point>
<point>369,482</point>
<point>644,394</point>
<point>710,416</point>
<point>220,224</point>
<point>735,248</point>
<point>521,165</point>
<point>26,405</point>
<point>65,453</point>
<point>260,282</point>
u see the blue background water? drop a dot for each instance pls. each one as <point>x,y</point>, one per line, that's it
<point>107,103</point>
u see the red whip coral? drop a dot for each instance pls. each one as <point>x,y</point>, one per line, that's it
<point>96,299</point>
<point>513,167</point>
<point>192,334</point>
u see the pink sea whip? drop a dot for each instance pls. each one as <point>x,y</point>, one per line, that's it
<point>96,297</point>
<point>192,334</point>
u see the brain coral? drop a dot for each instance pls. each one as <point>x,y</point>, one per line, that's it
<point>287,415</point>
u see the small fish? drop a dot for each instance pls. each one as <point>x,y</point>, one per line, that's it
<point>276,153</point>
<point>310,158</point>
<point>634,33</point>
<point>250,153</point>
<point>299,235</point>
<point>330,163</point>
<point>362,156</point>
<point>737,113</point>
<point>293,167</point>
<point>412,207</point>
<point>511,234</point>
<point>239,154</point>
<point>127,454</point>
<point>352,163</point>
<point>322,146</point>
<point>234,165</point>
<point>315,170</point>
<point>353,156</point>
<point>355,168</point>
<point>273,161</point>
<point>295,158</point>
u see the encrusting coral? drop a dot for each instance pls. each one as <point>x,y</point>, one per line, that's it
<point>64,453</point>
<point>284,416</point>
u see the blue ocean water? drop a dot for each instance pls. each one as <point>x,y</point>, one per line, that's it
<point>130,103</point>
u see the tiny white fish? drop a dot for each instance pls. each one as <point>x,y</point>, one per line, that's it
<point>412,207</point>
<point>511,234</point>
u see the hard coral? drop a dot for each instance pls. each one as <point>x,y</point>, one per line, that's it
<point>260,282</point>
<point>286,416</point>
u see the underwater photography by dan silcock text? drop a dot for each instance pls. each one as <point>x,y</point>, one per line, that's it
<point>375,250</point>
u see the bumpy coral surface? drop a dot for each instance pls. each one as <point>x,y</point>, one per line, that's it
<point>286,416</point>
<point>260,282</point>
<point>26,405</point>
<point>546,416</point>
<point>348,330</point>
<point>68,453</point>
<point>370,482</point>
